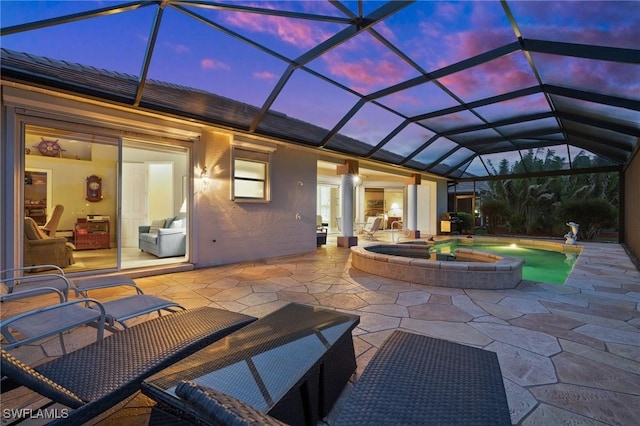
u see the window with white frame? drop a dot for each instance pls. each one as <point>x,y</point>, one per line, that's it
<point>250,175</point>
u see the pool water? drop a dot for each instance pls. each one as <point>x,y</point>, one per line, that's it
<point>540,265</point>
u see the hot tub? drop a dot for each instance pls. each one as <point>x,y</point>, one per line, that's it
<point>469,268</point>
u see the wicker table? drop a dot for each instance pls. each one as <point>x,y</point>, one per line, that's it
<point>291,364</point>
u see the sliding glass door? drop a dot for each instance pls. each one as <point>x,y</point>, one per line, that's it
<point>89,195</point>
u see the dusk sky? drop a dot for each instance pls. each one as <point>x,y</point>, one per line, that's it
<point>431,34</point>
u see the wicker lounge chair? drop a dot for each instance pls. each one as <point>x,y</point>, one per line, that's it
<point>94,378</point>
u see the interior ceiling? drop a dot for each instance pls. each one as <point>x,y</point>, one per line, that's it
<point>456,89</point>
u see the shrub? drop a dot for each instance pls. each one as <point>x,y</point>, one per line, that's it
<point>467,221</point>
<point>593,215</point>
<point>495,212</point>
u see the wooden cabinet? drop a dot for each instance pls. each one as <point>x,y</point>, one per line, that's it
<point>92,234</point>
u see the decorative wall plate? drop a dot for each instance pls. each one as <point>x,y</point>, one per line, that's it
<point>49,148</point>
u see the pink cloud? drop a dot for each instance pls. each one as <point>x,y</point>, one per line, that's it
<point>214,64</point>
<point>386,31</point>
<point>177,47</point>
<point>366,73</point>
<point>301,34</point>
<point>399,99</point>
<point>501,75</point>
<point>448,11</point>
<point>264,75</point>
<point>365,65</point>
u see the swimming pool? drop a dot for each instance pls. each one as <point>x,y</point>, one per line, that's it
<point>546,262</point>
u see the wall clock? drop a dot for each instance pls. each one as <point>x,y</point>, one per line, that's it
<point>94,188</point>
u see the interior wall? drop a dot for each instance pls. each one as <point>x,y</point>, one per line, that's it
<point>632,206</point>
<point>230,231</point>
<point>69,178</point>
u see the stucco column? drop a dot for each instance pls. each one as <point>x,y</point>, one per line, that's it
<point>347,171</point>
<point>412,206</point>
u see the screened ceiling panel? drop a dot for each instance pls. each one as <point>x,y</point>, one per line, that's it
<point>553,157</point>
<point>436,150</point>
<point>215,66</point>
<point>287,36</point>
<point>521,106</point>
<point>436,34</point>
<point>404,143</point>
<point>594,22</point>
<point>78,41</point>
<point>323,104</point>
<point>453,88</point>
<point>370,124</point>
<point>419,100</point>
<point>490,78</point>
<point>476,168</point>
<point>470,137</point>
<point>454,121</point>
<point>537,127</point>
<point>606,77</point>
<point>364,65</point>
<point>593,110</point>
<point>596,133</point>
<point>581,158</point>
<point>501,163</point>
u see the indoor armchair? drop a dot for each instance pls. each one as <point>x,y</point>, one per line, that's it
<point>40,249</point>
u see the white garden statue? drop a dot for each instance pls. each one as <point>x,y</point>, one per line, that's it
<point>572,236</point>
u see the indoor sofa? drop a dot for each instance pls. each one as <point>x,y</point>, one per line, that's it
<point>164,237</point>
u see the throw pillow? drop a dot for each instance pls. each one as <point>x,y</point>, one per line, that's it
<point>176,224</point>
<point>155,225</point>
<point>219,408</point>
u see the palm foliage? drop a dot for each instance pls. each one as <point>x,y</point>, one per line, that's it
<point>537,205</point>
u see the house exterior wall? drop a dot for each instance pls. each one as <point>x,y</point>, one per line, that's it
<point>632,205</point>
<point>230,231</point>
<point>241,231</point>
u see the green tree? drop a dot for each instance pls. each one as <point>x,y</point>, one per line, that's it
<point>534,205</point>
<point>593,215</point>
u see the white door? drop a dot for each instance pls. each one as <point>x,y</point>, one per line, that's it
<point>160,195</point>
<point>134,202</point>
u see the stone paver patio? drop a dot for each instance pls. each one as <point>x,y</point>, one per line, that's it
<point>569,354</point>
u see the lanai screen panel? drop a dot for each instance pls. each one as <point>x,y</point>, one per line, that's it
<point>430,86</point>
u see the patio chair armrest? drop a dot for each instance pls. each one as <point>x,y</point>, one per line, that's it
<point>46,280</point>
<point>17,295</point>
<point>30,268</point>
